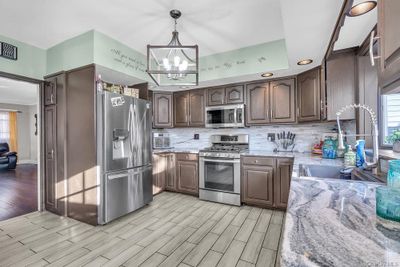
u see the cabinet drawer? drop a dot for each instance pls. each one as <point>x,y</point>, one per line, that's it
<point>258,161</point>
<point>186,156</point>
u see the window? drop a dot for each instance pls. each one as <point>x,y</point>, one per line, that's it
<point>390,116</point>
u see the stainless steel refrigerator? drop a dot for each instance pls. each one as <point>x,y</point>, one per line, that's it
<point>124,154</point>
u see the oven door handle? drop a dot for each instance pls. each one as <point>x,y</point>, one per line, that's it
<point>221,161</point>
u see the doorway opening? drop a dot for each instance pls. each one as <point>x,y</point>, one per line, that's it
<point>19,147</point>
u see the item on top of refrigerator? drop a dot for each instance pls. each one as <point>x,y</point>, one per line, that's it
<point>349,157</point>
<point>360,153</point>
<point>329,148</point>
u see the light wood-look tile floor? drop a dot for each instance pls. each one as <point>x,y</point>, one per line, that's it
<point>174,230</point>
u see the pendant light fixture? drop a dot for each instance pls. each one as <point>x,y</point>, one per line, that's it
<point>173,64</point>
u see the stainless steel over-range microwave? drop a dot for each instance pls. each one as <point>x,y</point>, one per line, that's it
<point>227,116</point>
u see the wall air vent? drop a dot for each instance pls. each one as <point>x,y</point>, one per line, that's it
<point>8,51</point>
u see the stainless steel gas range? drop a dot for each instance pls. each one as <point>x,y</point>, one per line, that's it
<point>219,169</point>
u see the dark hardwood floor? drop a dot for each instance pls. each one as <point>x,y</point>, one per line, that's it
<point>18,191</point>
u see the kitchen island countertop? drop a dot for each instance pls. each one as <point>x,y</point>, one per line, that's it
<point>332,222</point>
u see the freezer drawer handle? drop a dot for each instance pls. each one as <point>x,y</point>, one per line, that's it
<point>118,175</point>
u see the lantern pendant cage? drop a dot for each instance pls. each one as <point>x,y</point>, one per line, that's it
<point>173,64</point>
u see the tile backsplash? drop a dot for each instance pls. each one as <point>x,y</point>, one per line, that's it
<point>306,135</point>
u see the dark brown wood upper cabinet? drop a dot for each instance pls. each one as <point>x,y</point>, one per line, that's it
<point>229,95</point>
<point>340,84</point>
<point>283,101</point>
<point>282,182</point>
<point>197,103</point>
<point>234,94</point>
<point>309,96</point>
<point>181,109</point>
<point>189,108</point>
<point>50,89</point>
<point>389,45</point>
<point>257,103</point>
<point>215,96</point>
<point>162,110</point>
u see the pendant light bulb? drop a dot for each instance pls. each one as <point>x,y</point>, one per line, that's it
<point>165,62</point>
<point>177,60</point>
<point>185,64</point>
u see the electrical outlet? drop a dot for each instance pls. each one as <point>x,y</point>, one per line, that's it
<point>271,137</point>
<point>196,137</point>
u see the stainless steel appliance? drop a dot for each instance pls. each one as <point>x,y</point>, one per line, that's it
<point>161,141</point>
<point>124,154</point>
<point>219,171</point>
<point>227,116</point>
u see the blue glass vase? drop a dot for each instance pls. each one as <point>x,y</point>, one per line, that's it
<point>393,177</point>
<point>388,203</point>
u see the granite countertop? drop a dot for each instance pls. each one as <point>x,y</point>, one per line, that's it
<point>332,222</point>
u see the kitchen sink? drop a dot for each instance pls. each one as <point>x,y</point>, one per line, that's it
<point>323,171</point>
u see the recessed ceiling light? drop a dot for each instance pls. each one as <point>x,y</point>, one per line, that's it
<point>361,8</point>
<point>304,62</point>
<point>267,74</point>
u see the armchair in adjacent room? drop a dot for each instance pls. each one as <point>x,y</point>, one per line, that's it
<point>8,160</point>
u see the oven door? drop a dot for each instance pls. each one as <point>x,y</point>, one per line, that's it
<point>220,174</point>
<point>225,116</point>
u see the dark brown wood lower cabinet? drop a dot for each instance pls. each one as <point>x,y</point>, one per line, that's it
<point>159,172</point>
<point>282,182</point>
<point>170,177</point>
<point>266,181</point>
<point>257,183</point>
<point>187,173</point>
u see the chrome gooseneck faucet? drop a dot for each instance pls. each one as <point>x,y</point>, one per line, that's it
<point>375,133</point>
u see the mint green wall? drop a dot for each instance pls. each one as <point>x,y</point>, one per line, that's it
<point>31,60</point>
<point>248,60</point>
<point>96,47</point>
<point>115,55</point>
<point>73,53</point>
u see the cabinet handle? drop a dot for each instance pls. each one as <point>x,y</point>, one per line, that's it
<point>372,57</point>
<point>298,112</point>
<point>272,113</point>
<point>52,99</point>
<point>256,161</point>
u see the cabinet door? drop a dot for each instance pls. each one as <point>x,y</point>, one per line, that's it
<point>159,173</point>
<point>389,48</point>
<point>257,184</point>
<point>162,110</point>
<point>50,89</point>
<point>215,96</point>
<point>197,106</point>
<point>257,108</point>
<point>340,84</point>
<point>283,101</point>
<point>308,96</point>
<point>50,120</point>
<point>181,109</point>
<point>188,177</point>
<point>234,94</point>
<point>282,182</point>
<point>170,177</point>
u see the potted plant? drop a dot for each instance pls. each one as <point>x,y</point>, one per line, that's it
<point>394,139</point>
